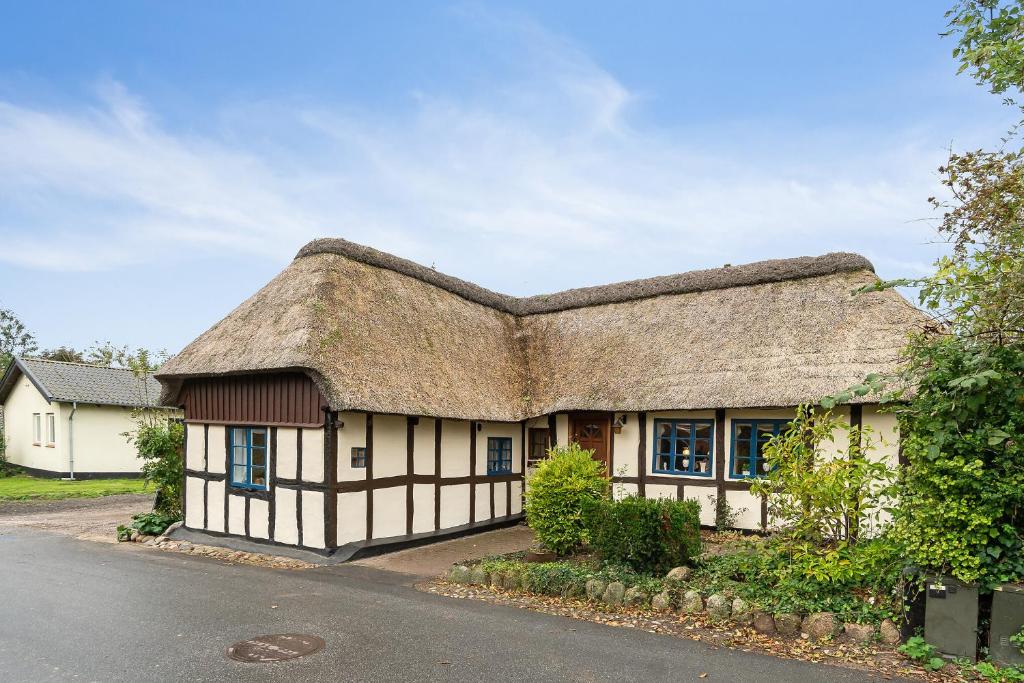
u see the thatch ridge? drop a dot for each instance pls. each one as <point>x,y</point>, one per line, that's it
<point>760,272</point>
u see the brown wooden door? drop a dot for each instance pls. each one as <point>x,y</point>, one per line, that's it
<point>592,431</point>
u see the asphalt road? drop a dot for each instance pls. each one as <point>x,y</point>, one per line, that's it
<point>75,610</point>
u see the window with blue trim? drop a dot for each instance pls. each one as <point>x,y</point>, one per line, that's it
<point>358,457</point>
<point>749,438</point>
<point>684,447</point>
<point>499,455</point>
<point>249,457</point>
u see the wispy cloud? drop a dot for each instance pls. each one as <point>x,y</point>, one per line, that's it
<point>544,177</point>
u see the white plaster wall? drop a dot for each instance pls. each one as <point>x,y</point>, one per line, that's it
<point>423,447</point>
<point>23,401</point>
<point>287,453</point>
<point>422,508</point>
<point>286,527</point>
<point>194,502</point>
<point>620,491</point>
<point>500,499</point>
<point>627,443</point>
<point>660,491</point>
<point>100,445</point>
<point>195,447</point>
<point>885,439</point>
<point>839,444</point>
<point>390,449</point>
<point>562,429</point>
<point>745,507</point>
<point>313,519</point>
<point>517,497</point>
<point>351,517</point>
<point>454,505</point>
<point>706,498</point>
<point>217,451</point>
<point>312,458</point>
<point>352,435</point>
<point>215,506</point>
<point>388,510</point>
<point>455,452</point>
<point>259,518</point>
<point>483,502</point>
<point>499,429</point>
<point>236,515</point>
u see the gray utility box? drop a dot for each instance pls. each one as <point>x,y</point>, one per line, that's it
<point>951,616</point>
<point>1007,620</point>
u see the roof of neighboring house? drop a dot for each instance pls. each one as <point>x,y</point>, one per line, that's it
<point>82,383</point>
<point>383,334</point>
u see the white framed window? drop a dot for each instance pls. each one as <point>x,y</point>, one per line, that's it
<point>51,430</point>
<point>37,429</point>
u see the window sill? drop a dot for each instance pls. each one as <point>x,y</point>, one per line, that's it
<point>37,443</point>
<point>51,445</point>
<point>243,487</point>
<point>691,475</point>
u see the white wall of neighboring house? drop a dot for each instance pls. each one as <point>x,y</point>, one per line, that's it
<point>99,442</point>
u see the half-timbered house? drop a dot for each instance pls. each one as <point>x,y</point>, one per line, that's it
<point>360,399</point>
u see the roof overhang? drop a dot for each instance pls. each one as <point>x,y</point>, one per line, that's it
<point>14,370</point>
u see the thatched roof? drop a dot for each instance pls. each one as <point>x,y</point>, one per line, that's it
<point>383,334</point>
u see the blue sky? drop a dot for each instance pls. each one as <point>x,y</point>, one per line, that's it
<point>159,162</point>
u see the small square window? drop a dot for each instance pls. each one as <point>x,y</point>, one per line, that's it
<point>499,455</point>
<point>683,447</point>
<point>539,445</point>
<point>249,457</point>
<point>358,457</point>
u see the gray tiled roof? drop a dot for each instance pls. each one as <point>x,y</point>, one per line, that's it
<point>60,381</point>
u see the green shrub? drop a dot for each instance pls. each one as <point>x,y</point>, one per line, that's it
<point>160,443</point>
<point>923,653</point>
<point>644,534</point>
<point>147,524</point>
<point>556,494</point>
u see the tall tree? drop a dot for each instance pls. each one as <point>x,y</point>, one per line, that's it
<point>15,339</point>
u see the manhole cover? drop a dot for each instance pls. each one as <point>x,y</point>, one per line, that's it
<point>275,648</point>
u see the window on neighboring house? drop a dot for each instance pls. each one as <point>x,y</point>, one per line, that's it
<point>499,455</point>
<point>683,447</point>
<point>249,457</point>
<point>748,441</point>
<point>37,428</point>
<point>358,457</point>
<point>51,430</point>
<point>540,442</point>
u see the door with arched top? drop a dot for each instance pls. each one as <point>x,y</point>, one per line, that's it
<point>592,431</point>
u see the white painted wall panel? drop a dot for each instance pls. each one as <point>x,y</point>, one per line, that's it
<point>746,508</point>
<point>455,450</point>
<point>423,447</point>
<point>286,528</point>
<point>454,505</point>
<point>236,515</point>
<point>194,502</point>
<point>500,499</point>
<point>621,491</point>
<point>215,506</point>
<point>312,456</point>
<point>627,443</point>
<point>195,444</point>
<point>287,452</point>
<point>352,435</point>
<point>655,491</point>
<point>389,512</point>
<point>351,517</point>
<point>517,497</point>
<point>483,502</point>
<point>423,508</point>
<point>217,452</point>
<point>498,429</point>
<point>259,518</point>
<point>313,519</point>
<point>389,447</point>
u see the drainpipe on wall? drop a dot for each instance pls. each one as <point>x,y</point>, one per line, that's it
<point>71,440</point>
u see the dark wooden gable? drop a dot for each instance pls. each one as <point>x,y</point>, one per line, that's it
<point>286,398</point>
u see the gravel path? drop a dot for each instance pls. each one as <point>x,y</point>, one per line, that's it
<point>92,519</point>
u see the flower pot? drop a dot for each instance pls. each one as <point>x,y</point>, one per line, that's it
<point>1007,621</point>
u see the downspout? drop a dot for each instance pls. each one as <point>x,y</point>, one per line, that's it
<point>71,439</point>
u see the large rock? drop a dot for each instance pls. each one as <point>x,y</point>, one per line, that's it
<point>614,593</point>
<point>718,607</point>
<point>662,601</point>
<point>679,574</point>
<point>634,597</point>
<point>764,623</point>
<point>478,577</point>
<point>459,574</point>
<point>692,603</point>
<point>859,633</point>
<point>821,625</point>
<point>889,632</point>
<point>787,623</point>
<point>742,611</point>
<point>596,588</point>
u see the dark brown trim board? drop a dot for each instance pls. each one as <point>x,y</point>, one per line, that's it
<point>720,458</point>
<point>437,473</point>
<point>272,485</point>
<point>331,479</point>
<point>369,475</point>
<point>641,456</point>
<point>553,428</point>
<point>472,472</point>
<point>410,466</point>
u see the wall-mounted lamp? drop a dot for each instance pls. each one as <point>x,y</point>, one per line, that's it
<point>479,427</point>
<point>619,423</point>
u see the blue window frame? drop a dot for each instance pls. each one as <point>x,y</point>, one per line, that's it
<point>249,458</point>
<point>746,459</point>
<point>358,457</point>
<point>499,455</point>
<point>684,447</point>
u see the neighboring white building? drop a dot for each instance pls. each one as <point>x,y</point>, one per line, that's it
<point>69,419</point>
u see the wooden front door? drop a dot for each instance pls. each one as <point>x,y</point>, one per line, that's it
<point>592,431</point>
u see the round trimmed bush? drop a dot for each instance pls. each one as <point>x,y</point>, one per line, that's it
<point>557,493</point>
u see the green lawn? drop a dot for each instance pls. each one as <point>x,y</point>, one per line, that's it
<point>23,487</point>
